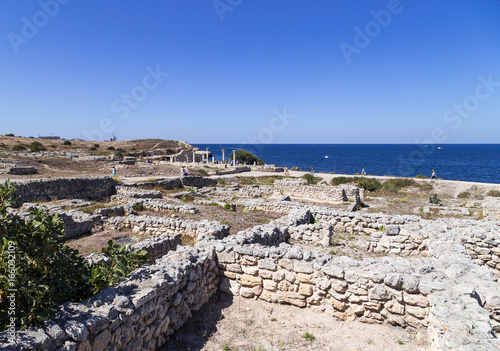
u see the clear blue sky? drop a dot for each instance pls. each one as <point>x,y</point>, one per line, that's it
<point>349,71</point>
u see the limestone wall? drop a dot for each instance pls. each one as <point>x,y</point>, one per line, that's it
<point>317,233</point>
<point>96,188</point>
<point>149,225</point>
<point>298,188</point>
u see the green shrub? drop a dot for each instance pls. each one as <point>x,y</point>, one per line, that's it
<point>19,147</point>
<point>425,186</point>
<point>92,148</point>
<point>48,272</point>
<point>369,184</point>
<point>138,206</point>
<point>434,199</point>
<point>203,172</point>
<point>295,169</point>
<point>494,193</point>
<point>311,180</point>
<point>66,142</point>
<point>395,185</point>
<point>421,176</point>
<point>97,146</point>
<point>228,206</point>
<point>10,134</point>
<point>341,180</point>
<point>121,262</point>
<point>35,146</point>
<point>463,195</point>
<point>111,148</point>
<point>246,157</point>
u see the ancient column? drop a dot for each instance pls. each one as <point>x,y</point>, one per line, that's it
<point>194,157</point>
<point>234,158</point>
<point>207,155</point>
<point>223,154</point>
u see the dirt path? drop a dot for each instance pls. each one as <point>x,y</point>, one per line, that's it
<point>254,325</point>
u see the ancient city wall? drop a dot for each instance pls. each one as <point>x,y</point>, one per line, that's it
<point>98,188</point>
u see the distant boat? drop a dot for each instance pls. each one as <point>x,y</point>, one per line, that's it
<point>326,156</point>
<point>439,148</point>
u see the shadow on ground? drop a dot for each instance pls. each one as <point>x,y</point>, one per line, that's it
<point>193,335</point>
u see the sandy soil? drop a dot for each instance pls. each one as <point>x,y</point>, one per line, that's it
<point>254,325</point>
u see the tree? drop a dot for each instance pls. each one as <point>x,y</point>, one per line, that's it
<point>246,157</point>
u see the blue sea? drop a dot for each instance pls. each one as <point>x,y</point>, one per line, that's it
<point>466,162</point>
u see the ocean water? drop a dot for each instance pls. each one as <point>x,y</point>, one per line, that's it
<point>466,162</point>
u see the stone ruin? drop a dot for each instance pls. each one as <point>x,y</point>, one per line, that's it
<point>444,279</point>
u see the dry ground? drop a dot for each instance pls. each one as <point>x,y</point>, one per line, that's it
<point>254,325</point>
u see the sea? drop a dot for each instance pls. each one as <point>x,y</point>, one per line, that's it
<point>465,162</point>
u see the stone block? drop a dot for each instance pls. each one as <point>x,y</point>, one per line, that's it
<point>250,280</point>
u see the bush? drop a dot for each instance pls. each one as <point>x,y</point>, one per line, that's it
<point>228,206</point>
<point>369,184</point>
<point>494,193</point>
<point>295,169</point>
<point>120,263</point>
<point>66,142</point>
<point>395,185</point>
<point>341,180</point>
<point>97,146</point>
<point>35,146</point>
<point>110,148</point>
<point>463,195</point>
<point>434,199</point>
<point>202,172</point>
<point>246,157</point>
<point>19,147</point>
<point>421,176</point>
<point>311,180</point>
<point>10,134</point>
<point>48,272</point>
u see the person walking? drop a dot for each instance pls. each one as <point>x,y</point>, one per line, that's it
<point>113,172</point>
<point>433,175</point>
<point>312,170</point>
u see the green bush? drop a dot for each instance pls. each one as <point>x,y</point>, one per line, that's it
<point>463,195</point>
<point>97,146</point>
<point>120,263</point>
<point>66,142</point>
<point>92,148</point>
<point>228,206</point>
<point>434,199</point>
<point>35,146</point>
<point>421,176</point>
<point>10,134</point>
<point>295,169</point>
<point>202,172</point>
<point>341,180</point>
<point>311,180</point>
<point>246,157</point>
<point>369,184</point>
<point>19,147</point>
<point>48,272</point>
<point>494,193</point>
<point>395,185</point>
<point>111,148</point>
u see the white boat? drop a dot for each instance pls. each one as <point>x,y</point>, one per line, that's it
<point>326,156</point>
<point>439,148</point>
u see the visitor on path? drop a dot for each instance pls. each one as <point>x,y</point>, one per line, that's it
<point>363,172</point>
<point>113,172</point>
<point>312,170</point>
<point>433,175</point>
<point>184,171</point>
<point>285,170</point>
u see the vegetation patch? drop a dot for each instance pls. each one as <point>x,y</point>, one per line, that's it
<point>463,195</point>
<point>494,193</point>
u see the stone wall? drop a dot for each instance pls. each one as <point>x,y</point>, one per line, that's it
<point>137,193</point>
<point>368,291</point>
<point>97,188</point>
<point>149,225</point>
<point>491,208</point>
<point>298,188</point>
<point>22,170</point>
<point>317,233</point>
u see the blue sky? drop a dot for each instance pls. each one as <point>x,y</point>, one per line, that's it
<point>236,71</point>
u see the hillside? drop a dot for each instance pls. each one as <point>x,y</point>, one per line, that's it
<point>9,143</point>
